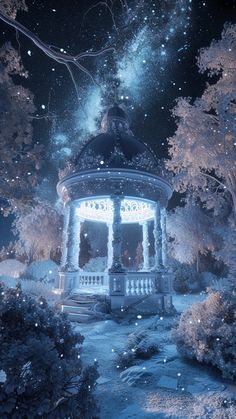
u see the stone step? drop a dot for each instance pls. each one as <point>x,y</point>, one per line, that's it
<point>75,309</point>
<point>78,317</point>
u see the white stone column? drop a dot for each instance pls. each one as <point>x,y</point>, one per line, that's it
<point>157,232</point>
<point>109,246</point>
<point>64,236</point>
<point>164,238</point>
<point>117,235</point>
<point>73,241</point>
<point>145,244</point>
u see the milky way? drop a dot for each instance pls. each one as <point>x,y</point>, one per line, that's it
<point>149,37</point>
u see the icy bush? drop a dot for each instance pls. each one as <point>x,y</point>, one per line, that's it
<point>207,332</point>
<point>98,264</point>
<point>8,281</point>
<point>42,372</point>
<point>43,271</point>
<point>139,346</point>
<point>37,289</point>
<point>186,278</point>
<point>12,268</point>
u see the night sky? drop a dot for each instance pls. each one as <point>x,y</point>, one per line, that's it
<point>156,43</point>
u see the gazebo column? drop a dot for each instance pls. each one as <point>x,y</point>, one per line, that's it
<point>64,236</point>
<point>71,247</point>
<point>145,244</point>
<point>164,239</point>
<point>157,232</point>
<point>109,246</point>
<point>117,287</point>
<point>117,235</point>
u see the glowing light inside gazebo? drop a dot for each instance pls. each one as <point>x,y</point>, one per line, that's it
<point>133,210</point>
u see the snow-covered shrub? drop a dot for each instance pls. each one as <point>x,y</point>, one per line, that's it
<point>186,278</point>
<point>42,271</point>
<point>207,332</point>
<point>139,346</point>
<point>8,281</point>
<point>43,376</point>
<point>98,264</point>
<point>12,268</point>
<point>37,289</point>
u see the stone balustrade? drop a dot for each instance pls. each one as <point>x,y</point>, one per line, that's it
<point>139,283</point>
<point>93,279</point>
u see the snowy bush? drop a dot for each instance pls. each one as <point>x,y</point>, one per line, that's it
<point>42,271</point>
<point>186,278</point>
<point>207,332</point>
<point>98,264</point>
<point>12,268</point>
<point>42,373</point>
<point>8,281</point>
<point>37,289</point>
<point>139,346</point>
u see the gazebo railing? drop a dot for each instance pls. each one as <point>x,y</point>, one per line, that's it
<point>140,283</point>
<point>93,279</point>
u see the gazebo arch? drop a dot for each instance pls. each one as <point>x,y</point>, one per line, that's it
<point>115,179</point>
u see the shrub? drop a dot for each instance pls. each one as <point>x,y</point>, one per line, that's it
<point>139,346</point>
<point>40,360</point>
<point>186,278</point>
<point>207,332</point>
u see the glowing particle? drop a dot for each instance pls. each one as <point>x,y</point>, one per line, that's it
<point>43,106</point>
<point>29,52</point>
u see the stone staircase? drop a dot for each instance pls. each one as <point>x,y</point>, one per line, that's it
<point>79,308</point>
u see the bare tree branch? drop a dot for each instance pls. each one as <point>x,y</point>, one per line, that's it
<point>61,58</point>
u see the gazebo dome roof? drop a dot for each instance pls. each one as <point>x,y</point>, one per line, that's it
<point>116,147</point>
<point>112,162</point>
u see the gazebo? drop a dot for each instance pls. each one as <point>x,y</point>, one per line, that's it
<point>115,179</point>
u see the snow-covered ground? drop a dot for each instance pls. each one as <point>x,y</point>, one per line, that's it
<point>164,386</point>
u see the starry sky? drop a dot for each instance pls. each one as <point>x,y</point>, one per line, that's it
<point>155,46</point>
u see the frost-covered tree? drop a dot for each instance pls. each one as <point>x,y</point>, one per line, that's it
<point>40,361</point>
<point>203,149</point>
<point>20,156</point>
<point>10,7</point>
<point>206,332</point>
<point>39,231</point>
<point>227,251</point>
<point>191,230</point>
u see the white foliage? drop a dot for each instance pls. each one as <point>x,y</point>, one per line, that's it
<point>192,231</point>
<point>206,332</point>
<point>12,268</point>
<point>203,149</point>
<point>98,264</point>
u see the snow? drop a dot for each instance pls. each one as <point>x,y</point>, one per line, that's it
<point>164,386</point>
<point>12,268</point>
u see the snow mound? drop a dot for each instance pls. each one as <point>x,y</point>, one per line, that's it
<point>135,375</point>
<point>43,270</point>
<point>11,268</point>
